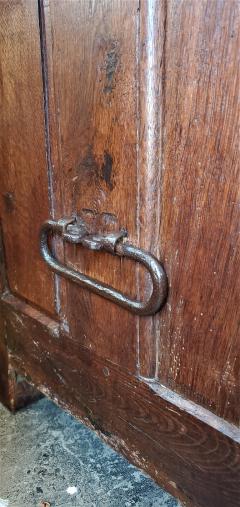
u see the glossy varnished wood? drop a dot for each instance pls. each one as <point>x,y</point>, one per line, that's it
<point>199,332</point>
<point>23,171</point>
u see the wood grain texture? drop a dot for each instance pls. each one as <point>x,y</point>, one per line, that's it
<point>141,126</point>
<point>150,56</point>
<point>92,102</point>
<point>23,176</point>
<point>15,392</point>
<point>194,455</point>
<point>4,359</point>
<point>199,335</point>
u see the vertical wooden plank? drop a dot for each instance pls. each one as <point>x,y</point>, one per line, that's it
<point>199,338</point>
<point>24,201</point>
<point>92,85</point>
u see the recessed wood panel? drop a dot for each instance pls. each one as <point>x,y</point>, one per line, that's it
<point>24,201</point>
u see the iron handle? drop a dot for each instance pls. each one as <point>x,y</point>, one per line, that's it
<point>76,232</point>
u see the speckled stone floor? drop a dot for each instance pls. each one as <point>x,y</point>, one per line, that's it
<point>45,454</point>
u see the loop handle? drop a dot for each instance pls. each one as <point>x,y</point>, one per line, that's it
<point>113,243</point>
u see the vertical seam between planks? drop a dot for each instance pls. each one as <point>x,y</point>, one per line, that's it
<point>44,67</point>
<point>138,177</point>
<point>161,151</point>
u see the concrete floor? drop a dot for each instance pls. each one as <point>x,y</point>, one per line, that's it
<point>45,454</point>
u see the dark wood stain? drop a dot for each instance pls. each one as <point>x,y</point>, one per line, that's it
<point>111,63</point>
<point>90,173</point>
<point>107,170</point>
<point>88,168</point>
<point>9,202</point>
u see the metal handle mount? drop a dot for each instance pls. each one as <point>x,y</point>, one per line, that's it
<point>73,231</point>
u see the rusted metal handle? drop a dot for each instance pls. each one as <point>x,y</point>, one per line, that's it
<point>76,232</point>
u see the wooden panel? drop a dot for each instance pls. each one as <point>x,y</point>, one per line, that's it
<point>23,171</point>
<point>193,453</point>
<point>92,120</point>
<point>199,336</point>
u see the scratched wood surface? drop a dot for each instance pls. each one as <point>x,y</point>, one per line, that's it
<point>199,334</point>
<point>193,453</point>
<point>141,126</point>
<point>153,86</point>
<point>91,74</point>
<point>23,171</point>
<point>15,392</point>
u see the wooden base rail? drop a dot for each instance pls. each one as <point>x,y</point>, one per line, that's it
<point>194,454</point>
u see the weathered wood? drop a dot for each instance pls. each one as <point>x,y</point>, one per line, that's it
<point>4,378</point>
<point>193,453</point>
<point>15,392</point>
<point>141,126</point>
<point>199,333</point>
<point>92,120</point>
<point>162,61</point>
<point>23,176</point>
